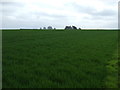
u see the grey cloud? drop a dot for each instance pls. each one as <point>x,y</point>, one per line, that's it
<point>92,11</point>
<point>103,16</point>
<point>36,19</point>
<point>49,15</point>
<point>9,8</point>
<point>105,13</point>
<point>26,20</point>
<point>106,18</point>
<point>13,4</point>
<point>31,23</point>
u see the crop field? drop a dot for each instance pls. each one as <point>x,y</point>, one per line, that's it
<point>59,59</point>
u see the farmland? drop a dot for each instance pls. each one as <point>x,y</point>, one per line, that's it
<point>59,59</point>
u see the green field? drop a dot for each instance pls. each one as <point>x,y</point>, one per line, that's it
<point>60,59</point>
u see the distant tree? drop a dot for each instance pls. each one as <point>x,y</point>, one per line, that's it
<point>44,28</point>
<point>74,27</point>
<point>49,27</point>
<point>68,27</point>
<point>79,28</point>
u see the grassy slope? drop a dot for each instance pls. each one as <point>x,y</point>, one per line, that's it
<point>57,58</point>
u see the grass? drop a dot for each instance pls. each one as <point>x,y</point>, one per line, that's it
<point>59,59</point>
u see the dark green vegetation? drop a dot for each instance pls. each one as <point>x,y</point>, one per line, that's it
<point>83,59</point>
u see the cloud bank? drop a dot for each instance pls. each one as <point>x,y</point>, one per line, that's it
<point>59,13</point>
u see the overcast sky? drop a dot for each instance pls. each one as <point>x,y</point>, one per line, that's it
<point>59,13</point>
